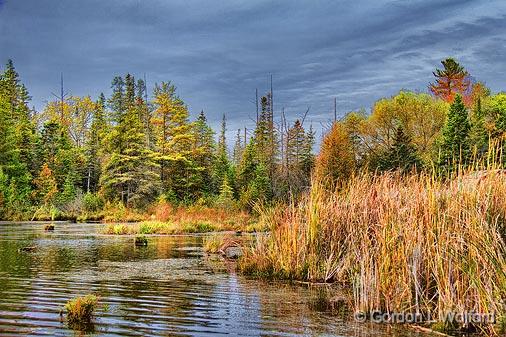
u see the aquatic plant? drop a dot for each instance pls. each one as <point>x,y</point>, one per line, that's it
<point>404,243</point>
<point>219,243</point>
<point>213,243</point>
<point>81,309</point>
<point>141,240</point>
<point>49,227</point>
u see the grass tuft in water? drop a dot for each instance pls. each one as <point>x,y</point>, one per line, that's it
<point>141,240</point>
<point>81,310</point>
<point>49,227</point>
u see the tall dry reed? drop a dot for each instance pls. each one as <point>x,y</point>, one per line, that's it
<point>404,243</point>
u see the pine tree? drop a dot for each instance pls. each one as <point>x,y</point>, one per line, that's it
<point>308,158</point>
<point>402,155</point>
<point>265,136</point>
<point>455,147</point>
<point>203,154</point>
<point>226,196</point>
<point>222,164</point>
<point>94,146</point>
<point>15,111</point>
<point>130,172</point>
<point>238,149</point>
<point>117,100</point>
<point>451,80</point>
<point>9,153</point>
<point>174,143</point>
<point>129,91</point>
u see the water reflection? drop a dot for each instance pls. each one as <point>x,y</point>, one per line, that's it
<point>169,288</point>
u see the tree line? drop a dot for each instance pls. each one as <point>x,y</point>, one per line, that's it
<point>134,148</point>
<point>457,123</point>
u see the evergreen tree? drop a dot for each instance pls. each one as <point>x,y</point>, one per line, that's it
<point>238,149</point>
<point>308,158</point>
<point>451,80</point>
<point>129,173</point>
<point>402,155</point>
<point>455,147</point>
<point>9,153</point>
<point>226,196</point>
<point>129,91</point>
<point>174,143</point>
<point>222,164</point>
<point>203,153</point>
<point>265,137</point>
<point>117,100</point>
<point>94,146</point>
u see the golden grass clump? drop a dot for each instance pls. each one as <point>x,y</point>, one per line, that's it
<point>81,310</point>
<point>218,243</point>
<point>405,243</point>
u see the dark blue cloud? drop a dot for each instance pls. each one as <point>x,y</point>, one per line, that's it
<point>218,52</point>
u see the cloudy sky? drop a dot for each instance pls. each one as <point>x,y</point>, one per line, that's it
<point>218,52</point>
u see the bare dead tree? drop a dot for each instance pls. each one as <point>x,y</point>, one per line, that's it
<point>61,98</point>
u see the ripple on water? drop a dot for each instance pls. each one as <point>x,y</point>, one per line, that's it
<point>169,288</point>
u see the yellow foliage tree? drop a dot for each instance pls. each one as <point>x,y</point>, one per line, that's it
<point>337,156</point>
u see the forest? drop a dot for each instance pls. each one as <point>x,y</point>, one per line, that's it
<point>81,155</point>
<point>84,157</point>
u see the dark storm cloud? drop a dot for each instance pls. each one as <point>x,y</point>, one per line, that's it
<point>217,53</point>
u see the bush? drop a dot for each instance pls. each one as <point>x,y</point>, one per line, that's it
<point>92,202</point>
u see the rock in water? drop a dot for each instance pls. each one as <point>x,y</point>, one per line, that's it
<point>27,249</point>
<point>233,252</point>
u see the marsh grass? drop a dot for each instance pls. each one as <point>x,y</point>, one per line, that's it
<point>403,243</point>
<point>166,219</point>
<point>81,310</point>
<point>155,227</point>
<point>218,243</point>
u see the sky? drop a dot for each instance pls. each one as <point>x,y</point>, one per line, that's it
<point>218,52</point>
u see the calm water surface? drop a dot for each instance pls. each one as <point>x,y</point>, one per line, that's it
<point>169,288</point>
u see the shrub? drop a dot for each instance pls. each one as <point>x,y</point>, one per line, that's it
<point>92,202</point>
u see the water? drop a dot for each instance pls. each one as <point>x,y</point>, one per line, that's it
<point>169,288</point>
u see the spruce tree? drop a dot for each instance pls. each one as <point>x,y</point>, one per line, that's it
<point>455,147</point>
<point>203,154</point>
<point>130,171</point>
<point>129,91</point>
<point>222,164</point>
<point>238,149</point>
<point>402,155</point>
<point>117,100</point>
